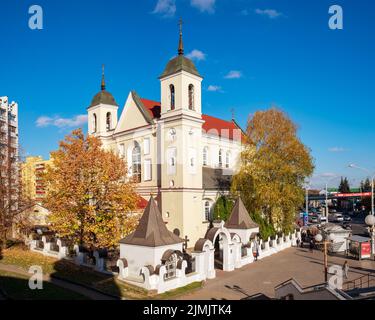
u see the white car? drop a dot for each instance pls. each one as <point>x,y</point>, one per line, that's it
<point>338,217</point>
<point>322,219</point>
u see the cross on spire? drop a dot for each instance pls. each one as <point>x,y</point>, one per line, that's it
<point>233,111</point>
<point>181,43</point>
<point>103,79</point>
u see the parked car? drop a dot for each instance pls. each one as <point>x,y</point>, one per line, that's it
<point>313,219</point>
<point>323,219</point>
<point>336,217</point>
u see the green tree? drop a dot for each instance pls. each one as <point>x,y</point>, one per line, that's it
<point>366,186</point>
<point>223,208</point>
<point>344,186</point>
<point>274,167</point>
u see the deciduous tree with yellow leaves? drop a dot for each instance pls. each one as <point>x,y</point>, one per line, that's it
<point>90,200</point>
<point>274,167</point>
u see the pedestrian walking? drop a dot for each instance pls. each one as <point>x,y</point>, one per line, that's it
<point>255,250</point>
<point>345,270</point>
<point>298,242</point>
<point>311,245</point>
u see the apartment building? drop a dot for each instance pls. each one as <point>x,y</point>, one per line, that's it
<point>9,164</point>
<point>32,177</point>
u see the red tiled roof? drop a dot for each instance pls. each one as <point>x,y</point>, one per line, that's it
<point>142,203</point>
<point>212,125</point>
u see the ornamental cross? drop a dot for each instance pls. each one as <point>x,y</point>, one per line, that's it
<point>180,23</point>
<point>186,242</point>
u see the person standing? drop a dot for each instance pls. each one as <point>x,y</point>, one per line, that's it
<point>255,250</point>
<point>311,245</point>
<point>345,270</point>
<point>298,242</point>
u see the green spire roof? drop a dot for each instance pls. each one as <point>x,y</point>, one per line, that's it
<point>180,63</point>
<point>103,97</point>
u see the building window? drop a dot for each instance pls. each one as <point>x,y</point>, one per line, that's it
<point>109,121</point>
<point>220,158</point>
<point>207,211</point>
<point>173,96</point>
<point>122,151</point>
<point>171,158</point>
<point>227,159</point>
<point>205,156</point>
<point>147,170</point>
<point>146,146</point>
<point>94,123</point>
<point>192,154</point>
<point>136,161</point>
<point>191,97</point>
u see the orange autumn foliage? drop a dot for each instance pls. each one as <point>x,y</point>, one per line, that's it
<point>90,200</point>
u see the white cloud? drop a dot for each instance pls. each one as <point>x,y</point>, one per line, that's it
<point>244,12</point>
<point>59,122</point>
<point>270,13</point>
<point>233,74</point>
<point>204,5</point>
<point>337,149</point>
<point>167,8</point>
<point>196,55</point>
<point>213,88</point>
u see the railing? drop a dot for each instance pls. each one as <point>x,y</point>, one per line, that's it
<point>363,282</point>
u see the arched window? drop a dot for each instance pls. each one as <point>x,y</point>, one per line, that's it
<point>207,211</point>
<point>220,158</point>
<point>227,159</point>
<point>94,123</point>
<point>205,156</point>
<point>191,97</point>
<point>109,121</point>
<point>173,96</point>
<point>136,162</point>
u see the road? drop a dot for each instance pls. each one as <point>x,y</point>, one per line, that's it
<point>263,276</point>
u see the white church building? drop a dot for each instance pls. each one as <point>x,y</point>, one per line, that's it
<point>173,151</point>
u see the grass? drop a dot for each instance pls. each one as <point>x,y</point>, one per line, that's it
<point>16,287</point>
<point>179,291</point>
<point>21,257</point>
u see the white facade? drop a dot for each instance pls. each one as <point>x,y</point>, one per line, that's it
<point>9,149</point>
<point>170,147</point>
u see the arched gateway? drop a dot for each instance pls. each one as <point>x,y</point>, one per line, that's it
<point>222,242</point>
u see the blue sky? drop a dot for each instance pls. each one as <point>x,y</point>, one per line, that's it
<point>253,54</point>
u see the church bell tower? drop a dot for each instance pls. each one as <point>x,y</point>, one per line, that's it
<point>181,134</point>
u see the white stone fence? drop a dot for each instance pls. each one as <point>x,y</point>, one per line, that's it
<point>49,246</point>
<point>156,279</point>
<point>58,248</point>
<point>151,279</point>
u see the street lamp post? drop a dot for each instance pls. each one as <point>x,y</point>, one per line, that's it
<point>326,213</point>
<point>370,221</point>
<point>372,184</point>
<point>326,242</point>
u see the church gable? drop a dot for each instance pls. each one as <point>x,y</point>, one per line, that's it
<point>134,114</point>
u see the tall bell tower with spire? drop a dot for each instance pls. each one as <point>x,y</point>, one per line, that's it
<point>102,112</point>
<point>181,131</point>
<point>181,85</point>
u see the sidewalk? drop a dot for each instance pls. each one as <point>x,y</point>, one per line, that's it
<point>263,276</point>
<point>91,294</point>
